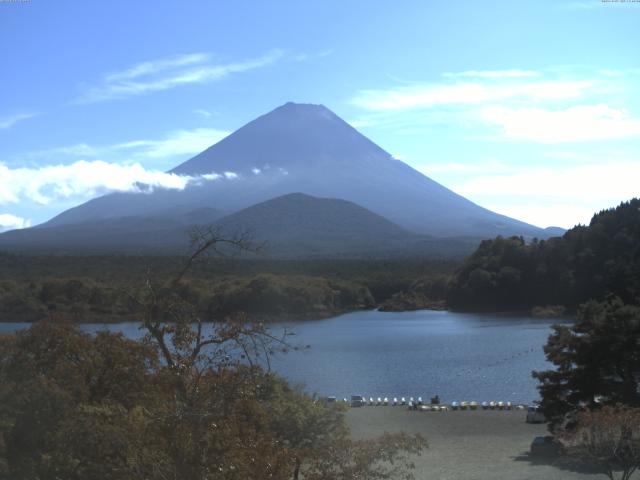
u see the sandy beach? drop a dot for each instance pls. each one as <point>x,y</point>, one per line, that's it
<point>473,445</point>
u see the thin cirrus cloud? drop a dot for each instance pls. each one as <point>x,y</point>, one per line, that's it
<point>168,73</point>
<point>10,121</point>
<point>179,142</point>
<point>157,66</point>
<point>516,105</point>
<point>174,143</point>
<point>203,112</point>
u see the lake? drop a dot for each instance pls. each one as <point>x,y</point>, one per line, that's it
<point>458,356</point>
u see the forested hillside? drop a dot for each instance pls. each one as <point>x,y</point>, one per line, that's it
<point>98,288</point>
<point>588,262</point>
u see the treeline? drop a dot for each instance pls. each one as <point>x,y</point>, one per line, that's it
<point>99,289</point>
<point>264,296</point>
<point>588,262</point>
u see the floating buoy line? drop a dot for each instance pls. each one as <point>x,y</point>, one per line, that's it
<point>419,405</point>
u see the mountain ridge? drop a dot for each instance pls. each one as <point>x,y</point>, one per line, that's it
<point>292,226</point>
<point>310,150</point>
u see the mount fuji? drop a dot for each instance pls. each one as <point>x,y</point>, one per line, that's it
<point>295,149</point>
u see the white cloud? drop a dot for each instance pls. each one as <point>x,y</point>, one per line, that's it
<point>303,57</point>
<point>611,73</point>
<point>565,215</point>
<point>513,73</point>
<point>603,181</point>
<point>12,222</point>
<point>493,166</point>
<point>361,123</point>
<point>465,93</point>
<point>524,105</point>
<point>175,143</point>
<point>179,142</point>
<point>164,74</point>
<point>85,179</point>
<point>211,176</point>
<point>573,124</point>
<point>149,68</point>
<point>203,112</point>
<point>563,195</point>
<point>8,122</point>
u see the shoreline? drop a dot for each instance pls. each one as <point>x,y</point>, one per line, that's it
<point>292,317</point>
<point>470,445</point>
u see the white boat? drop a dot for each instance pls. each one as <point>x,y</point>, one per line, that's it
<point>455,406</point>
<point>379,402</point>
<point>395,401</point>
<point>420,401</point>
<point>485,405</point>
<point>464,405</point>
<point>403,401</point>
<point>385,402</point>
<point>473,405</point>
<point>370,401</point>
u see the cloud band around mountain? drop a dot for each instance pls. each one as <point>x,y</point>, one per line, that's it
<point>84,179</point>
<point>12,222</point>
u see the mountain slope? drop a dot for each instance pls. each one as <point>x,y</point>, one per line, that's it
<point>298,223</point>
<point>293,225</point>
<point>133,234</point>
<point>307,148</point>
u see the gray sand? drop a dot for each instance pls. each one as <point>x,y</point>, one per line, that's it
<point>466,444</point>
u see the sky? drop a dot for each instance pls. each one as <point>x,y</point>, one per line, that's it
<point>528,108</point>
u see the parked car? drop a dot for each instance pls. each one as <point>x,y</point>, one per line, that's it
<point>545,446</point>
<point>358,401</point>
<point>535,415</point>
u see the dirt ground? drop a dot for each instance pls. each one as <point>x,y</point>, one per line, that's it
<point>473,445</point>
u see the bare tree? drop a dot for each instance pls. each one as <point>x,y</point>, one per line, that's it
<point>174,323</point>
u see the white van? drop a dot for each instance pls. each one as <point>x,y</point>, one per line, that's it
<point>535,415</point>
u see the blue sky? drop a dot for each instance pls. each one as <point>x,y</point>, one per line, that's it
<point>529,108</point>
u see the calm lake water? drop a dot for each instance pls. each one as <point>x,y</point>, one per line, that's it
<point>387,354</point>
